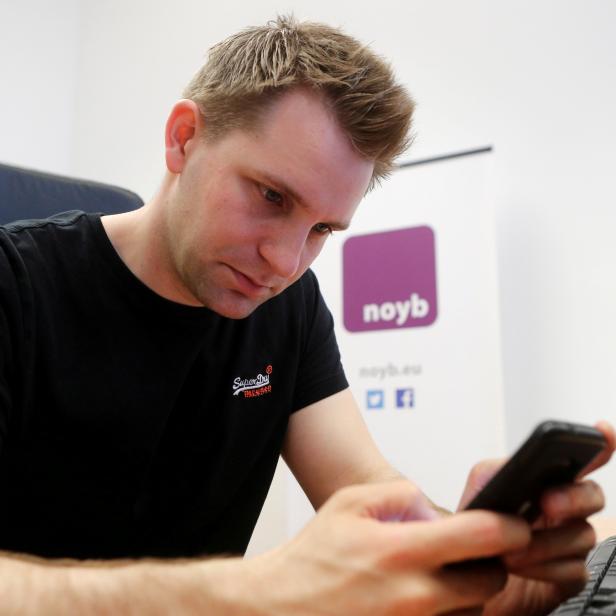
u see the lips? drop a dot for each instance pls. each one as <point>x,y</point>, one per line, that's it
<point>247,286</point>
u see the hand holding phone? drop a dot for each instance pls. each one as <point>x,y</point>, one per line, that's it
<point>554,454</point>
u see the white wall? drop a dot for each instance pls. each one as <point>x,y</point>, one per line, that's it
<point>39,48</point>
<point>554,129</point>
<point>534,79</point>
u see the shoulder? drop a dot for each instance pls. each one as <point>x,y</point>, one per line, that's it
<point>309,284</point>
<point>36,254</point>
<point>301,302</point>
<point>32,230</point>
<point>304,291</point>
<point>291,313</point>
<point>38,242</point>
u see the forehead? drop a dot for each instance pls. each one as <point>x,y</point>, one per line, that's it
<point>299,141</point>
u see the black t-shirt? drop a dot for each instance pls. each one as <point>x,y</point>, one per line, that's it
<point>131,425</point>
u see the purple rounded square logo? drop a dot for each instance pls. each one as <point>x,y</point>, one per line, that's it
<point>389,280</point>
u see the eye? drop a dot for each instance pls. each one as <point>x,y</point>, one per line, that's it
<point>322,229</point>
<point>272,196</point>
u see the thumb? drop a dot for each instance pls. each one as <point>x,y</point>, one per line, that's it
<point>478,478</point>
<point>391,501</point>
<point>602,458</point>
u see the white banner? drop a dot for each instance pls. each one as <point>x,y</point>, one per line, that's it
<point>413,289</point>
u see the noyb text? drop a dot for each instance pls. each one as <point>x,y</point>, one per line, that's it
<point>416,307</point>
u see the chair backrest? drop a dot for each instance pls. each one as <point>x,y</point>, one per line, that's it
<point>25,194</point>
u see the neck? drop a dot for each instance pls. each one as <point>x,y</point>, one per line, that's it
<point>141,240</point>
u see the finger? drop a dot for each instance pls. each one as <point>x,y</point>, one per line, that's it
<point>468,586</point>
<point>399,501</point>
<point>447,591</point>
<point>602,458</point>
<point>478,478</point>
<point>467,535</point>
<point>570,572</point>
<point>577,500</point>
<point>573,540</point>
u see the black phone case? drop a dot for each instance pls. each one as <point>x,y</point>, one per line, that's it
<point>553,454</point>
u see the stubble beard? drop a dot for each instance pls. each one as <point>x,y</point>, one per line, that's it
<point>214,295</point>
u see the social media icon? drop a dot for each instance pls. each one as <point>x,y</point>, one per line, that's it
<point>405,398</point>
<point>375,399</point>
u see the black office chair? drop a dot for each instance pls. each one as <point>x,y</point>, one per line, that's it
<point>26,194</point>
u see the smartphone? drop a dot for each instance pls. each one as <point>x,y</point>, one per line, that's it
<point>553,454</point>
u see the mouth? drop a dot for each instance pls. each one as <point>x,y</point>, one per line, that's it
<point>247,286</point>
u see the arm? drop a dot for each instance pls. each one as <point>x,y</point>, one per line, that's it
<point>33,586</point>
<point>348,560</point>
<point>328,446</point>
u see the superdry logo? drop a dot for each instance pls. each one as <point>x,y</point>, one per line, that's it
<point>252,388</point>
<point>389,280</point>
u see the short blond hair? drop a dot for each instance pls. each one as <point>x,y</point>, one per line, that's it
<point>246,72</point>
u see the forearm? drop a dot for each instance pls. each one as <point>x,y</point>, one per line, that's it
<point>215,586</point>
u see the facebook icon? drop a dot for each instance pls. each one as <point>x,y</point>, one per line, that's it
<point>405,398</point>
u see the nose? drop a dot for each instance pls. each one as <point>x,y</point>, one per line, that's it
<point>283,250</point>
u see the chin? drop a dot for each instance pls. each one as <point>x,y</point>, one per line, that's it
<point>238,307</point>
<point>236,314</point>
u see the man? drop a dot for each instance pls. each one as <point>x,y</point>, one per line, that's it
<point>154,364</point>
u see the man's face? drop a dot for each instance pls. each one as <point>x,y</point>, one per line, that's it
<point>252,210</point>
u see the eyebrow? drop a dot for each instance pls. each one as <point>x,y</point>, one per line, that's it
<point>283,187</point>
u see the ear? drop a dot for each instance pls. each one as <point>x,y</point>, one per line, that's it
<point>183,125</point>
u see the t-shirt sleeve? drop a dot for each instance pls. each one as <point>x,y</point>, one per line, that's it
<point>14,294</point>
<point>5,398</point>
<point>320,371</point>
<point>6,290</point>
